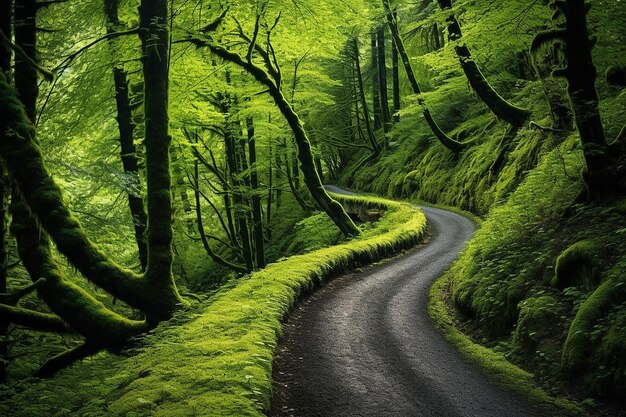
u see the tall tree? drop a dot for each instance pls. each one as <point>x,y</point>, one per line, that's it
<point>382,76</point>
<point>128,151</point>
<point>356,56</point>
<point>375,70</point>
<point>395,62</point>
<point>257,213</point>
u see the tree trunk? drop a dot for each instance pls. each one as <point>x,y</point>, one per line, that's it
<point>396,77</point>
<point>232,142</point>
<point>378,112</point>
<point>130,163</point>
<point>361,91</point>
<point>205,242</point>
<point>445,140</point>
<point>23,159</point>
<point>181,185</point>
<point>382,72</point>
<point>126,128</point>
<point>581,74</point>
<point>257,215</point>
<point>496,103</point>
<point>153,24</point>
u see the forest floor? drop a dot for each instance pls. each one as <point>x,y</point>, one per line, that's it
<point>365,345</point>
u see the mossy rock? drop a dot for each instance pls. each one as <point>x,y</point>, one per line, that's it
<point>577,266</point>
<point>536,321</point>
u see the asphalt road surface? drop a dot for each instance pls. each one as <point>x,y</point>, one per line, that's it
<point>364,345</point>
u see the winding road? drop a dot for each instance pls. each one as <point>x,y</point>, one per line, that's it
<point>364,345</point>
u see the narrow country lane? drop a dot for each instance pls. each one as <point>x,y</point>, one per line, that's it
<point>365,346</point>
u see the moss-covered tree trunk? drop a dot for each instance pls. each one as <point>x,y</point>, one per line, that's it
<point>257,213</point>
<point>496,103</point>
<point>128,154</point>
<point>605,167</point>
<point>395,62</point>
<point>374,68</point>
<point>234,145</point>
<point>126,129</point>
<point>156,295</point>
<point>445,140</point>
<point>371,137</point>
<point>382,75</point>
<point>154,35</point>
<point>305,155</point>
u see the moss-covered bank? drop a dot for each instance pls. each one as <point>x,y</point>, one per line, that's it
<point>215,360</point>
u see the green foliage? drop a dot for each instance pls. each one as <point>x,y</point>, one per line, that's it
<point>495,364</point>
<point>536,321</point>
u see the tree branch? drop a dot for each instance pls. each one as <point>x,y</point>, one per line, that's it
<point>32,319</point>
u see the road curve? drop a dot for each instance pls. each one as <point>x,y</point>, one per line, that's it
<point>365,346</point>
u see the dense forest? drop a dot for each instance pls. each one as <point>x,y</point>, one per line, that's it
<point>165,205</point>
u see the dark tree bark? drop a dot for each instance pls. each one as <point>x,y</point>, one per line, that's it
<point>245,203</point>
<point>382,75</point>
<point>128,154</point>
<point>581,76</point>
<point>496,103</point>
<point>127,146</point>
<point>361,93</point>
<point>25,76</point>
<point>445,140</point>
<point>395,76</point>
<point>257,214</point>
<point>24,162</point>
<point>377,108</point>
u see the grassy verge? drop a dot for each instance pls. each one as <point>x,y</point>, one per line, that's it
<point>493,364</point>
<point>217,359</point>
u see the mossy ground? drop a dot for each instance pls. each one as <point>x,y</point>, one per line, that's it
<point>216,358</point>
